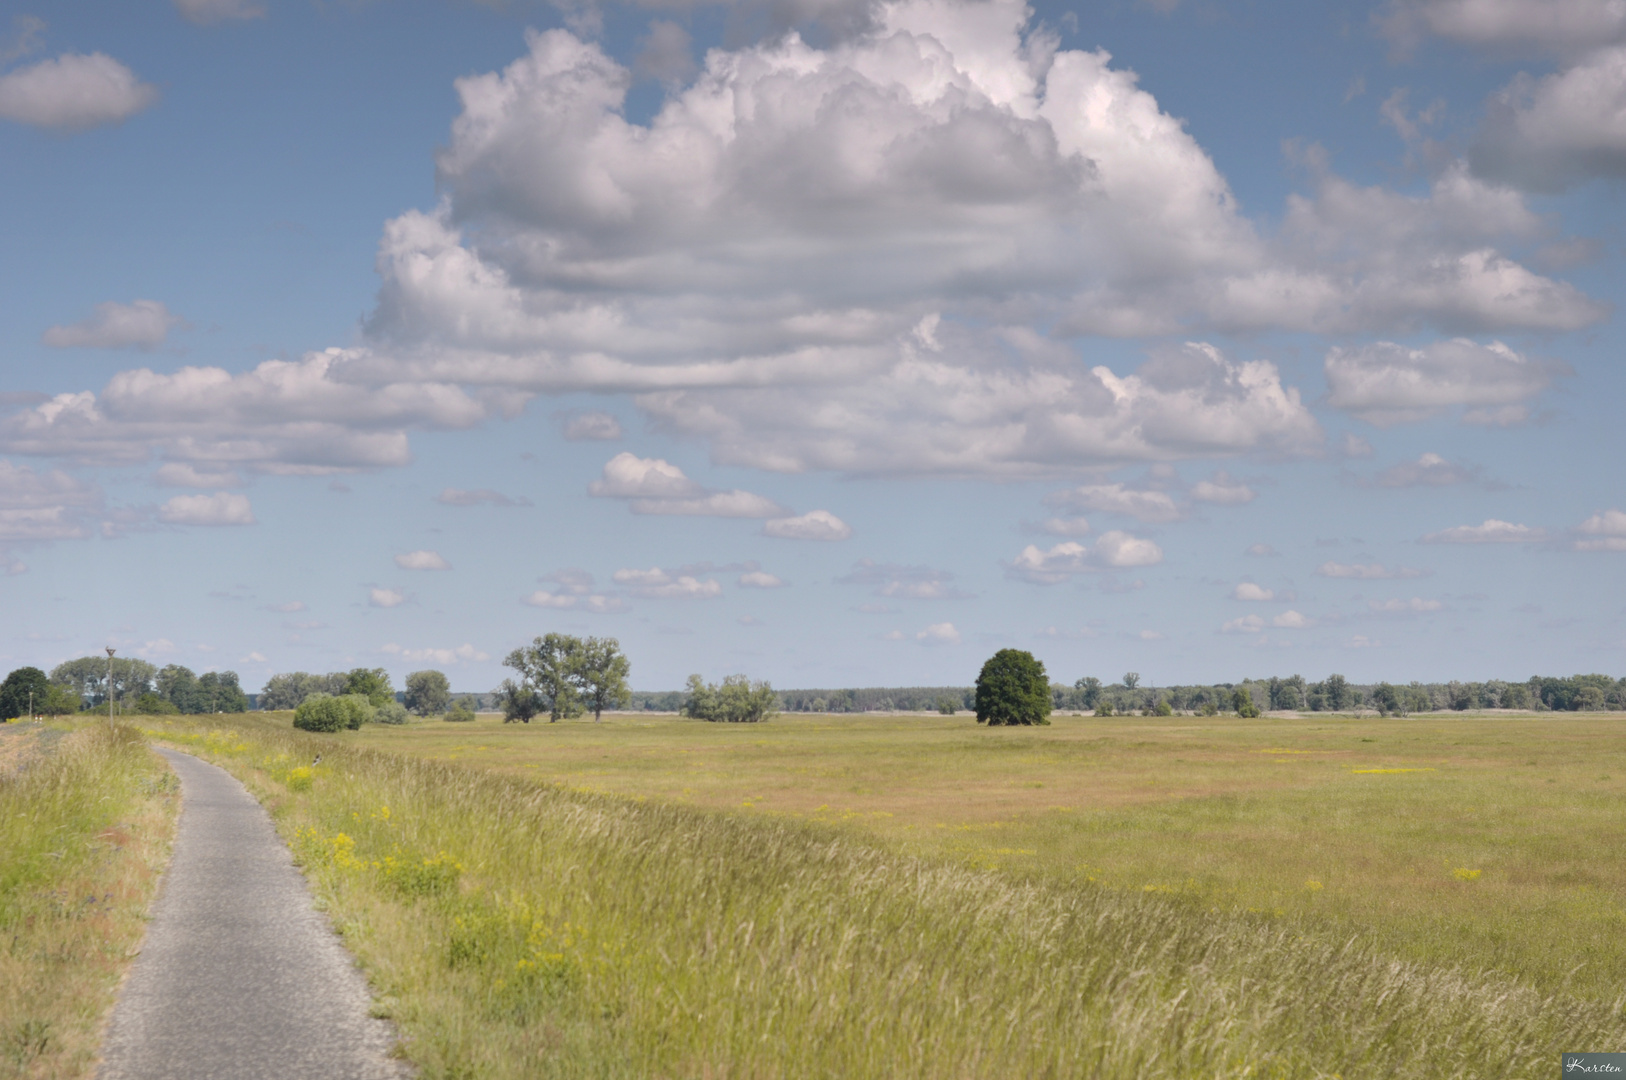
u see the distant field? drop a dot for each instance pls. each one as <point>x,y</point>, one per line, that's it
<point>1470,840</point>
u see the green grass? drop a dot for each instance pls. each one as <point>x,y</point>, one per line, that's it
<point>1201,807</point>
<point>85,819</point>
<point>518,928</point>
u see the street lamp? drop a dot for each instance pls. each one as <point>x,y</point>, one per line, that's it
<point>110,651</point>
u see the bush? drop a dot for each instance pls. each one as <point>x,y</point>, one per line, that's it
<point>391,712</point>
<point>1013,689</point>
<point>1103,707</point>
<point>1163,708</point>
<point>325,713</point>
<point>1242,701</point>
<point>736,701</point>
<point>459,713</point>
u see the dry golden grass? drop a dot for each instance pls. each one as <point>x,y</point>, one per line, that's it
<point>85,823</point>
<point>522,929</point>
<point>1355,823</point>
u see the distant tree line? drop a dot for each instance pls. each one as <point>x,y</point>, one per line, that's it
<point>135,686</point>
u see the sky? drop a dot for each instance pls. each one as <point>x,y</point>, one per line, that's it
<point>831,342</point>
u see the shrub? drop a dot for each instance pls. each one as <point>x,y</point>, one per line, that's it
<point>459,713</point>
<point>1242,701</point>
<point>1163,708</point>
<point>1103,707</point>
<point>736,701</point>
<point>323,712</point>
<point>391,712</point>
<point>1013,689</point>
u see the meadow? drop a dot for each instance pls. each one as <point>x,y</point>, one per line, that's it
<point>1474,840</point>
<point>86,817</point>
<point>912,896</point>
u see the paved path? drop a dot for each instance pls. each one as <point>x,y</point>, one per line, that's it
<point>240,977</point>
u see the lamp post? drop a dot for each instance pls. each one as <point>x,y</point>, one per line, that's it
<point>110,651</point>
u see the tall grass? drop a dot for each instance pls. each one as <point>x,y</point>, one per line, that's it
<point>84,824</point>
<point>521,930</point>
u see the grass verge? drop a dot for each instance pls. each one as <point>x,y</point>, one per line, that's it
<point>516,929</point>
<point>85,823</point>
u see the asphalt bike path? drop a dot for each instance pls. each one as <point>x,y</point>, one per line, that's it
<point>240,977</point>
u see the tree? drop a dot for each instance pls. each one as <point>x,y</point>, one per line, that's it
<point>1388,700</point>
<point>1131,679</point>
<point>548,667</point>
<point>86,678</point>
<point>518,702</point>
<point>1013,689</point>
<point>737,701</point>
<point>600,674</point>
<point>1091,689</point>
<point>371,683</point>
<point>24,689</point>
<point>428,692</point>
<point>1337,693</point>
<point>1242,701</point>
<point>461,711</point>
<point>288,690</point>
<point>220,692</point>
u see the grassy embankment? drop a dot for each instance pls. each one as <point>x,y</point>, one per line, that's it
<point>85,822</point>
<point>515,928</point>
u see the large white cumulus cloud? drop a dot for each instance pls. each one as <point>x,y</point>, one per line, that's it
<point>836,258</point>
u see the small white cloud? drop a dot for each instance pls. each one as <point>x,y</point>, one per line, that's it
<point>657,584</point>
<point>422,560</point>
<point>1367,571</point>
<point>1114,550</point>
<point>757,579</point>
<point>1247,624</point>
<point>729,504</point>
<point>1387,384</point>
<point>143,324</point>
<point>1150,635</point>
<point>386,598</point>
<point>942,633</point>
<point>1151,506</point>
<point>1292,620</point>
<point>73,92</point>
<point>894,635</point>
<point>180,474</point>
<point>1261,551</point>
<point>1247,590</point>
<point>152,649</point>
<point>205,12</point>
<point>221,508</point>
<point>1073,526</point>
<point>1222,490</point>
<point>1602,532</point>
<point>592,426</point>
<point>463,654</point>
<point>253,658</point>
<point>813,525</point>
<point>1416,605</point>
<point>1361,641</point>
<point>1353,446</point>
<point>1429,470</point>
<point>1493,531</point>
<point>628,476</point>
<point>902,582</point>
<point>459,497</point>
<point>288,608</point>
<point>544,599</point>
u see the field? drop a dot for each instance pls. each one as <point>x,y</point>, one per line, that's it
<point>85,819</point>
<point>1492,841</point>
<point>911,896</point>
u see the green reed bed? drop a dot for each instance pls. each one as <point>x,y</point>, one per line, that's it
<point>520,930</point>
<point>85,820</point>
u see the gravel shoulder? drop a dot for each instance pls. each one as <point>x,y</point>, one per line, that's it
<point>240,978</point>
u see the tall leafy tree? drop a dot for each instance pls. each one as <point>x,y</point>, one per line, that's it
<point>601,675</point>
<point>736,701</point>
<point>372,684</point>
<point>25,688</point>
<point>548,667</point>
<point>1013,689</point>
<point>428,692</point>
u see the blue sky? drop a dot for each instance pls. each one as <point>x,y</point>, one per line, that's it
<point>830,341</point>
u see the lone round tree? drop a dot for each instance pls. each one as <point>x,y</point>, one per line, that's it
<point>1013,689</point>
